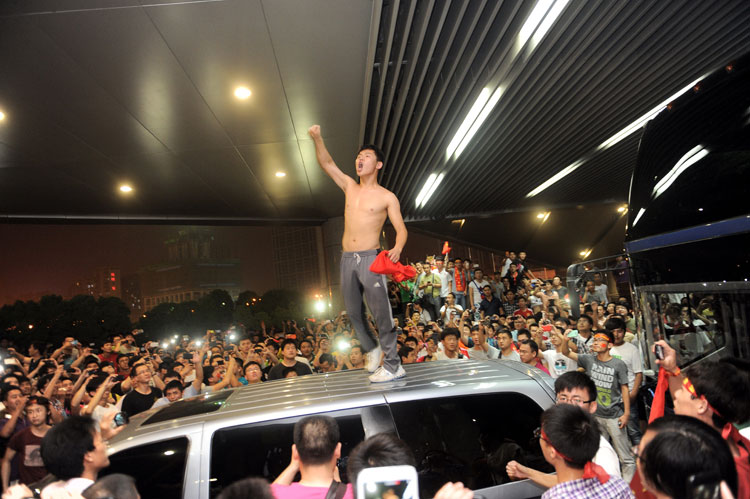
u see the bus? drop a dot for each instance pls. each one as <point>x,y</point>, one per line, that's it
<point>688,231</point>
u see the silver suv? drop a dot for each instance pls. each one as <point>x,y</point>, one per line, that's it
<point>463,419</point>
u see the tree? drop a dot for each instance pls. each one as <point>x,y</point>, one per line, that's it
<point>282,305</point>
<point>53,319</point>
<point>215,309</point>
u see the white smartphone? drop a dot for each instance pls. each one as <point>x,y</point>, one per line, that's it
<point>388,482</point>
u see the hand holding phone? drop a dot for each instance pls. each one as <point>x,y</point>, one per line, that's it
<point>121,419</point>
<point>388,481</point>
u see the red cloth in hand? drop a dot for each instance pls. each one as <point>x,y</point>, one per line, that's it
<point>383,265</point>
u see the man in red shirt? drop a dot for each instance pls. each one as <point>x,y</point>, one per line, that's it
<point>523,309</point>
<point>107,354</point>
<point>459,282</point>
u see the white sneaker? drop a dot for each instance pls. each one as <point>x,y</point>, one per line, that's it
<point>382,375</point>
<point>373,358</point>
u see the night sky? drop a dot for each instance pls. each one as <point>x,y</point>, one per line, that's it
<point>43,259</point>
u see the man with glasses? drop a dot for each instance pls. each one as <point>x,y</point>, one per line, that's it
<point>143,395</point>
<point>568,439</point>
<point>610,375</point>
<point>578,389</point>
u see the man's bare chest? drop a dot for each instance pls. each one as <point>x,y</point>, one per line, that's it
<point>365,203</point>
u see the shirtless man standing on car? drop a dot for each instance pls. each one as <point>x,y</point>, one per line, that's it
<point>367,206</point>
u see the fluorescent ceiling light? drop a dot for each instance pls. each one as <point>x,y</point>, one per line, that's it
<point>639,215</point>
<point>549,19</point>
<point>532,22</point>
<point>484,95</point>
<point>432,190</point>
<point>480,119</point>
<point>690,158</point>
<point>638,124</point>
<point>425,189</point>
<point>567,171</point>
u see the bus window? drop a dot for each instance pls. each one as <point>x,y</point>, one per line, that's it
<point>698,320</point>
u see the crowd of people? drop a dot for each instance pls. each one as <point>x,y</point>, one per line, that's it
<point>67,400</point>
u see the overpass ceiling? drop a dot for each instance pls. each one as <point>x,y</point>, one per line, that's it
<point>99,93</point>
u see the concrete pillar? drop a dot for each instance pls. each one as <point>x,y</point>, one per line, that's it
<point>333,231</point>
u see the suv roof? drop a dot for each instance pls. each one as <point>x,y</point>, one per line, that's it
<point>336,391</point>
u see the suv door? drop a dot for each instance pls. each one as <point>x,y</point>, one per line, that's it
<point>471,438</point>
<point>264,449</point>
<point>164,469</point>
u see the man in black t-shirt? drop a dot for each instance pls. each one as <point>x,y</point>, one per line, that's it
<point>288,359</point>
<point>490,304</point>
<point>143,395</point>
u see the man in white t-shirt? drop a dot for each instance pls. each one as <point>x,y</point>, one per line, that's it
<point>451,311</point>
<point>557,362</point>
<point>450,351</point>
<point>631,356</point>
<point>601,288</point>
<point>446,281</point>
<point>571,388</point>
<point>481,350</point>
<point>475,290</point>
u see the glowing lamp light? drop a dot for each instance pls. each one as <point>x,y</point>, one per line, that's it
<point>242,93</point>
<point>125,188</point>
<point>319,306</point>
<point>280,174</point>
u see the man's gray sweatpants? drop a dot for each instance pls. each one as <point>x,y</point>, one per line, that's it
<point>356,281</point>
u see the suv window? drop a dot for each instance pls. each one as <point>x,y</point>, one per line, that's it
<point>469,439</point>
<point>265,449</point>
<point>158,468</point>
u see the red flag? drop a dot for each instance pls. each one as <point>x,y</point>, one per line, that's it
<point>446,248</point>
<point>657,406</point>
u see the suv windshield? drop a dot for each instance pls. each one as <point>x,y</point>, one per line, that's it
<point>203,404</point>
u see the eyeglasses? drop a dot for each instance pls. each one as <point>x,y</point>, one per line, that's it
<point>539,433</point>
<point>637,453</point>
<point>562,399</point>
